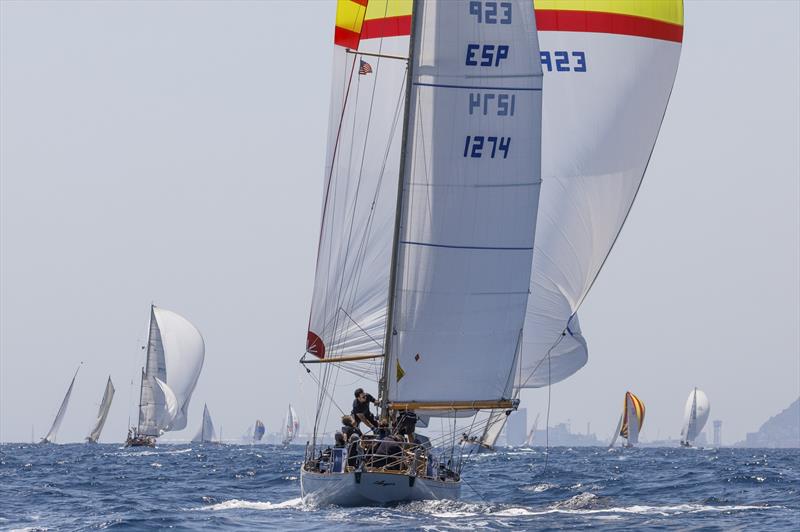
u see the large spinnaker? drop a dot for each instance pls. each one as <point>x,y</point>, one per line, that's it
<point>184,353</point>
<point>609,69</point>
<point>349,304</point>
<point>470,193</point>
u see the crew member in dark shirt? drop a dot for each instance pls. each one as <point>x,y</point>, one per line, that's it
<point>349,427</point>
<point>361,411</point>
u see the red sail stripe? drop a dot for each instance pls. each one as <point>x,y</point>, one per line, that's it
<point>346,38</point>
<point>554,20</point>
<point>386,27</point>
<point>615,23</point>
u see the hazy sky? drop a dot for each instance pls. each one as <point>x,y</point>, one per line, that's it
<point>173,152</point>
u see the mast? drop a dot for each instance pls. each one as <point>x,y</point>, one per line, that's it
<point>383,385</point>
<point>141,389</point>
<point>144,371</point>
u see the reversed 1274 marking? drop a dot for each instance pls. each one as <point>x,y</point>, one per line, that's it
<point>474,146</point>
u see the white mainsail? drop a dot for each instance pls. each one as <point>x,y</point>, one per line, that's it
<point>470,192</point>
<point>206,433</point>
<point>51,434</point>
<point>633,421</point>
<point>696,414</point>
<point>607,91</point>
<point>175,354</point>
<point>102,413</point>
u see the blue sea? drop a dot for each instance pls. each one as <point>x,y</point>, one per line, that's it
<point>228,487</point>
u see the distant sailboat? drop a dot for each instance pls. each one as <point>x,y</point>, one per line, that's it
<point>631,421</point>
<point>291,426</point>
<point>51,435</point>
<point>532,433</point>
<point>258,433</point>
<point>206,434</point>
<point>695,416</point>
<point>102,414</point>
<point>175,354</point>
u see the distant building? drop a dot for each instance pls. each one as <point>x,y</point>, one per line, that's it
<point>560,436</point>
<point>517,428</point>
<point>717,433</point>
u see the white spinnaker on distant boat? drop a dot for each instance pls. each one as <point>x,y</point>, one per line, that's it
<point>606,95</point>
<point>348,309</point>
<point>291,426</point>
<point>102,413</point>
<point>206,433</point>
<point>695,416</point>
<point>51,434</point>
<point>175,354</point>
<point>470,193</point>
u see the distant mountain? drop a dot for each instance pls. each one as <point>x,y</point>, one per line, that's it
<point>782,430</point>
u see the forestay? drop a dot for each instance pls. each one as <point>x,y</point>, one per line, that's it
<point>609,68</point>
<point>470,192</point>
<point>349,305</point>
<point>102,413</point>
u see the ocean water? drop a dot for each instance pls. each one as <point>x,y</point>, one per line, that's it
<point>190,487</point>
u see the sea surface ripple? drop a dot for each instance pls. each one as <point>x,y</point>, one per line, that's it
<point>228,487</point>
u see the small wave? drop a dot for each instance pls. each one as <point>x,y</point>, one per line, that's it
<point>579,501</point>
<point>538,488</point>
<point>238,504</point>
<point>668,510</point>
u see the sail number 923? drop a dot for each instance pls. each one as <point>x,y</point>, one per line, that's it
<point>478,146</point>
<point>491,12</point>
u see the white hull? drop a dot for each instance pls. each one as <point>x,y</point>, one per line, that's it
<point>346,489</point>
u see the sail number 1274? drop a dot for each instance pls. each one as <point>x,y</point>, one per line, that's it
<point>478,146</point>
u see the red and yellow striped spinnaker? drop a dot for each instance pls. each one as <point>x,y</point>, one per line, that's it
<point>655,19</point>
<point>638,406</point>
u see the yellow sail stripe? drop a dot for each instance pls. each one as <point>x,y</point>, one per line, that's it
<point>351,13</point>
<point>670,11</point>
<point>388,8</point>
<point>655,19</point>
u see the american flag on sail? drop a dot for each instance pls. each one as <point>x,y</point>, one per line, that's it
<point>364,68</point>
